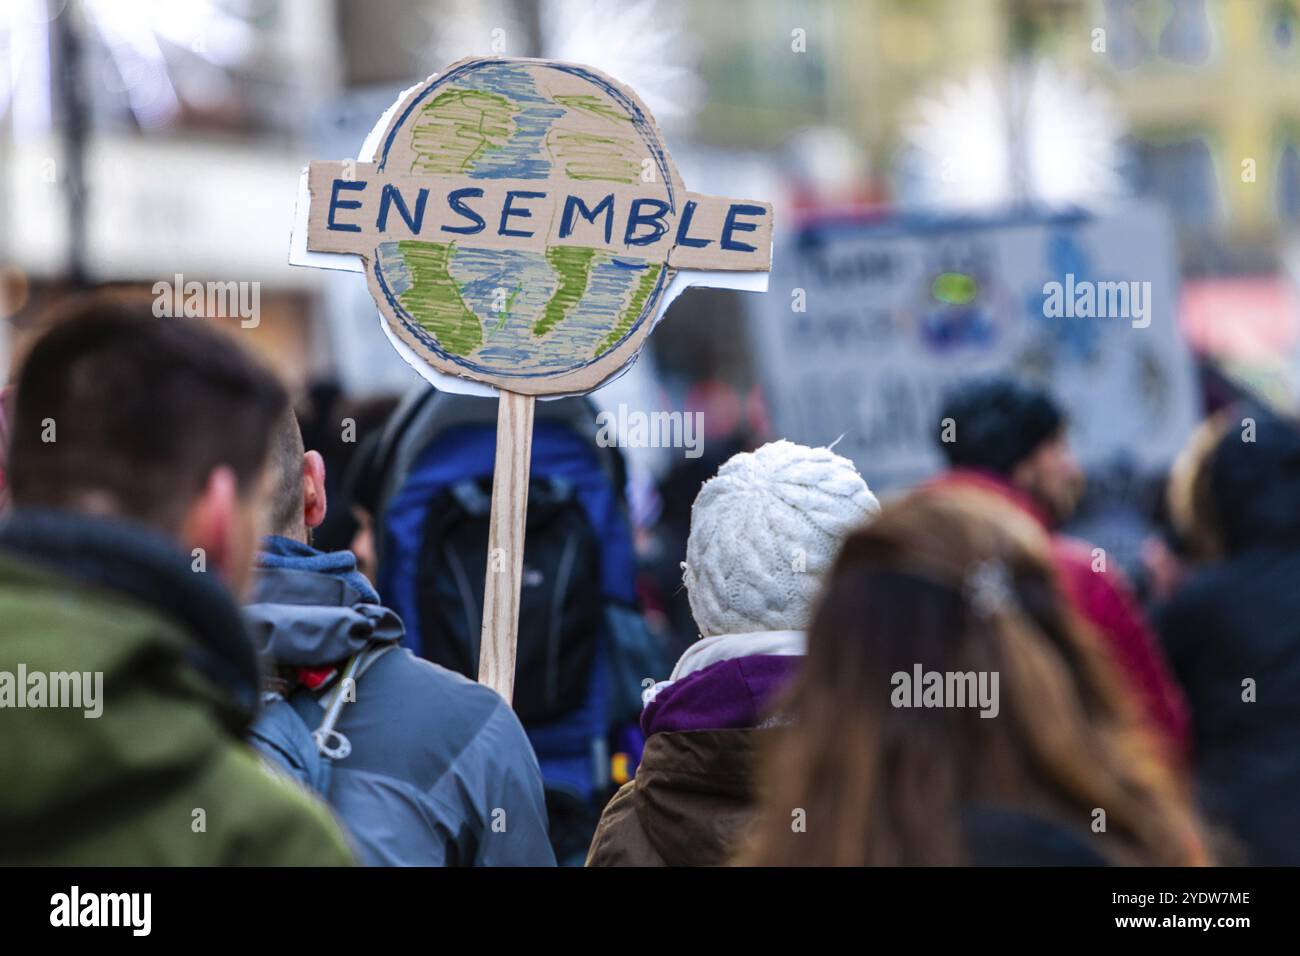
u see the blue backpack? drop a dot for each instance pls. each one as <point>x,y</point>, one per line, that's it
<point>584,649</point>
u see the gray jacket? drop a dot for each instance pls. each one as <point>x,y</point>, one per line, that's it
<point>440,771</point>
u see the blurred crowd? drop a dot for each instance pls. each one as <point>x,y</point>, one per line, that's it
<point>770,666</point>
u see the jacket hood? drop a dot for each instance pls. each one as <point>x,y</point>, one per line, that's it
<point>150,569</point>
<point>695,794</point>
<point>118,612</point>
<point>310,608</point>
<point>1256,484</point>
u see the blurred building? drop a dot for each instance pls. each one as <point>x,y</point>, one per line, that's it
<point>141,140</point>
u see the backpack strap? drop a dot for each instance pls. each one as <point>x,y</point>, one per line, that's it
<point>321,717</point>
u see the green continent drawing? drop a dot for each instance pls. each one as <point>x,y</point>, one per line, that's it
<point>601,158</point>
<point>458,128</point>
<point>595,105</point>
<point>433,297</point>
<point>572,265</point>
<point>610,153</point>
<point>629,315</point>
<point>510,304</point>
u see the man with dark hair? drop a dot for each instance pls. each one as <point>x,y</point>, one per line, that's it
<point>436,769</point>
<point>137,467</point>
<point>1009,439</point>
<point>1016,434</point>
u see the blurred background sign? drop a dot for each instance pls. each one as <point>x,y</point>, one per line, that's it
<point>866,325</point>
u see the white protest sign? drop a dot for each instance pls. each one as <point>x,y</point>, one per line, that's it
<point>894,313</point>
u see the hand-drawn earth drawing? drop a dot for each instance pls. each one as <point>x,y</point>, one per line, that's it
<point>512,312</point>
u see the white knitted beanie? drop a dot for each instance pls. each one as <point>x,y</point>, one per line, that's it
<point>764,531</point>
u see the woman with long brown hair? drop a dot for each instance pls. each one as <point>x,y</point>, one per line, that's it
<point>953,710</point>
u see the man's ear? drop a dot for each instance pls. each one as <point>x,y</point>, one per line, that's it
<point>208,526</point>
<point>313,489</point>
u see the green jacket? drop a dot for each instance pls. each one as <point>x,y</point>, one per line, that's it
<point>161,776</point>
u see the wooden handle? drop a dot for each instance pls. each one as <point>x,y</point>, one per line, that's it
<point>505,563</point>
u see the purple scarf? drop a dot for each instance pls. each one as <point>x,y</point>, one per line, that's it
<point>729,695</point>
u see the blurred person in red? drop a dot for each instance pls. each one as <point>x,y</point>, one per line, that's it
<point>1009,440</point>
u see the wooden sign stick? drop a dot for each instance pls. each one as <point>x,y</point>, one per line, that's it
<point>505,564</point>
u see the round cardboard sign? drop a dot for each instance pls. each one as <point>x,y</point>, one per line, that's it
<point>521,221</point>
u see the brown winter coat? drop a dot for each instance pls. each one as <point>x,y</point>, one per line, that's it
<point>691,800</point>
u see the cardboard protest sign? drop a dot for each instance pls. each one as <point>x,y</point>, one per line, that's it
<point>521,225</point>
<point>882,317</point>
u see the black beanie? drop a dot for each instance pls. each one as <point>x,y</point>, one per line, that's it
<point>998,423</point>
